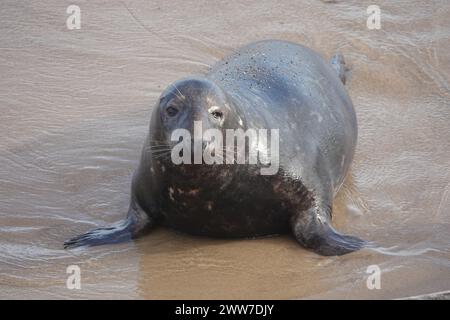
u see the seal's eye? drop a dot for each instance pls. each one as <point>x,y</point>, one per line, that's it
<point>171,111</point>
<point>217,114</point>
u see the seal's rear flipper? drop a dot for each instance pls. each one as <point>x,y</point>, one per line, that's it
<point>338,64</point>
<point>134,225</point>
<point>314,232</point>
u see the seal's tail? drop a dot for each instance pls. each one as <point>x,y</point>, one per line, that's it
<point>338,64</point>
<point>122,231</point>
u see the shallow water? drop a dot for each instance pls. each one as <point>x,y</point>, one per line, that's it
<point>74,113</point>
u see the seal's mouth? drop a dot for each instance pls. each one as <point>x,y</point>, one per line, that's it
<point>209,145</point>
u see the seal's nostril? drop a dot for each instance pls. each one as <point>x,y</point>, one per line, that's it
<point>171,111</point>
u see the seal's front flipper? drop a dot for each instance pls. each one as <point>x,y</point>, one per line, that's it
<point>338,64</point>
<point>314,232</point>
<point>136,223</point>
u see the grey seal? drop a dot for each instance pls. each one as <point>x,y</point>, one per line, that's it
<point>264,85</point>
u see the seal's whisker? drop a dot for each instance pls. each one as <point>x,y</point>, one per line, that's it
<point>182,97</point>
<point>158,152</point>
<point>163,158</point>
<point>159,144</point>
<point>150,142</point>
<point>160,155</point>
<point>156,148</point>
<point>159,148</point>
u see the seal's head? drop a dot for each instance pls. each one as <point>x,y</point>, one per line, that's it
<point>190,100</point>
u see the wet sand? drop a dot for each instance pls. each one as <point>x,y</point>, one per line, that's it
<point>74,112</point>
